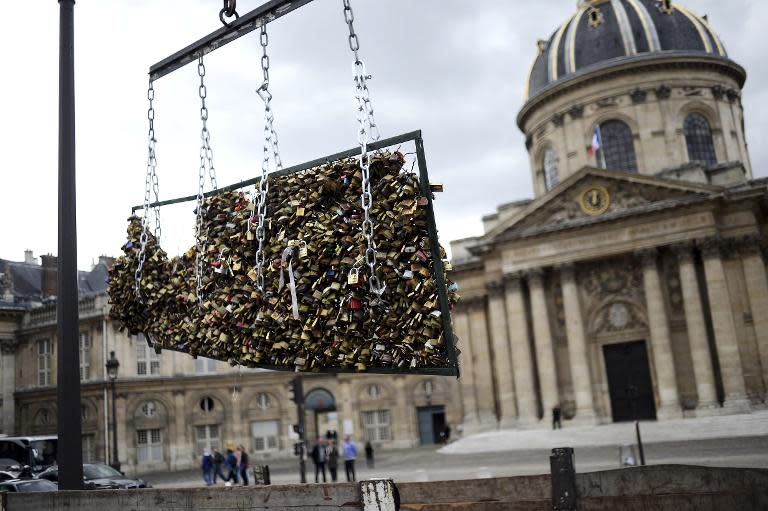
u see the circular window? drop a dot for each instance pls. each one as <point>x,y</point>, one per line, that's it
<point>206,404</point>
<point>263,401</point>
<point>374,391</point>
<point>149,409</point>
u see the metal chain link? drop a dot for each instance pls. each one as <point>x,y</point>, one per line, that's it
<point>151,185</point>
<point>368,132</point>
<point>206,164</point>
<point>270,144</point>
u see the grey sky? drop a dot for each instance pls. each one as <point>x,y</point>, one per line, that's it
<point>453,68</point>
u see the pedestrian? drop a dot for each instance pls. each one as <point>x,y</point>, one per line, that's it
<point>333,460</point>
<point>368,454</point>
<point>244,464</point>
<point>318,458</point>
<point>447,433</point>
<point>207,466</point>
<point>556,417</point>
<point>350,453</point>
<point>218,461</point>
<point>231,463</point>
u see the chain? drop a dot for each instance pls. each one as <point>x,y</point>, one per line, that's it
<point>368,132</point>
<point>151,185</point>
<point>206,163</point>
<point>270,144</point>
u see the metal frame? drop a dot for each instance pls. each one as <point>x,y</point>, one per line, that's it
<point>448,335</point>
<point>247,23</point>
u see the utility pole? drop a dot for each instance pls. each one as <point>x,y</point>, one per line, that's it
<point>70,453</point>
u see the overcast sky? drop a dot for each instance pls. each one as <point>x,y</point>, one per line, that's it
<point>453,68</point>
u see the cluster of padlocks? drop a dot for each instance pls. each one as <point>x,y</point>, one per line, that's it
<point>316,311</point>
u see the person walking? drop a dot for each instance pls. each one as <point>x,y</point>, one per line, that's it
<point>318,458</point>
<point>218,461</point>
<point>368,454</point>
<point>333,460</point>
<point>556,417</point>
<point>207,466</point>
<point>244,464</point>
<point>350,453</point>
<point>231,463</point>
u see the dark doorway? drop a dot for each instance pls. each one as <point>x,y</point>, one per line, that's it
<point>629,381</point>
<point>431,424</point>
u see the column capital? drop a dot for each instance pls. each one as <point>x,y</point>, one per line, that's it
<point>8,346</point>
<point>567,271</point>
<point>750,244</point>
<point>535,276</point>
<point>513,280</point>
<point>710,247</point>
<point>473,302</point>
<point>683,251</point>
<point>495,288</point>
<point>647,256</point>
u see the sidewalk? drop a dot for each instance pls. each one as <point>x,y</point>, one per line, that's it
<point>676,430</point>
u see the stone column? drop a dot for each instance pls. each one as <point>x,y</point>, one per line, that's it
<point>577,347</point>
<point>697,331</point>
<point>757,289</point>
<point>481,349</point>
<point>522,361</point>
<point>502,362</point>
<point>8,374</point>
<point>178,437</point>
<point>661,341</point>
<point>723,323</point>
<point>545,354</point>
<point>466,363</point>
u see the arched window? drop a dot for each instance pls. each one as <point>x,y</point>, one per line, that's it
<point>698,137</point>
<point>551,177</point>
<point>617,147</point>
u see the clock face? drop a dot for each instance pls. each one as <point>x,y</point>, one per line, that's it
<point>595,200</point>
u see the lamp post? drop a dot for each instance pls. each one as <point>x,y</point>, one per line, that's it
<point>112,367</point>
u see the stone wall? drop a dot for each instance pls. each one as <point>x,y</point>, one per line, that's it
<point>662,488</point>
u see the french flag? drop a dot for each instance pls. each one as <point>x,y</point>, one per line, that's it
<point>595,142</point>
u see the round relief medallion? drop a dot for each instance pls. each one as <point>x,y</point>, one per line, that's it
<point>618,315</point>
<point>595,200</point>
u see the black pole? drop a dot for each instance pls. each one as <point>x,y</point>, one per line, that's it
<point>115,460</point>
<point>639,443</point>
<point>70,454</point>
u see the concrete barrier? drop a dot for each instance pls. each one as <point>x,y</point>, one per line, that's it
<point>659,487</point>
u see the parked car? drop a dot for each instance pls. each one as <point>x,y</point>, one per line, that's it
<point>28,485</point>
<point>37,452</point>
<point>98,476</point>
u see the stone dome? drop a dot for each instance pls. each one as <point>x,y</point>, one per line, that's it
<point>606,33</point>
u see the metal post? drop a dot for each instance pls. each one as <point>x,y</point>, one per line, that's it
<point>70,454</point>
<point>302,435</point>
<point>115,460</point>
<point>563,479</point>
<point>640,450</point>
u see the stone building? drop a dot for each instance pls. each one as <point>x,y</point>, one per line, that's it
<point>633,284</point>
<point>171,406</point>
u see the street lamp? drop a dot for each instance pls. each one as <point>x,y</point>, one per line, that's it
<point>112,366</point>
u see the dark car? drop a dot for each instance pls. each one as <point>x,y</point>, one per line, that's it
<point>98,477</point>
<point>27,485</point>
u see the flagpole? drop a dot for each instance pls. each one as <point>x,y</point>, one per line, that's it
<point>600,141</point>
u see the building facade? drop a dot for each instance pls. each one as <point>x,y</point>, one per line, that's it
<point>169,406</point>
<point>633,284</point>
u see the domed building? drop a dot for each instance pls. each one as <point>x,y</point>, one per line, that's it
<point>633,285</point>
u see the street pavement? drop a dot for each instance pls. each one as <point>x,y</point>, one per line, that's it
<point>427,464</point>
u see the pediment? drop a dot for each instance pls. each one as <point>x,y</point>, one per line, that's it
<point>598,195</point>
